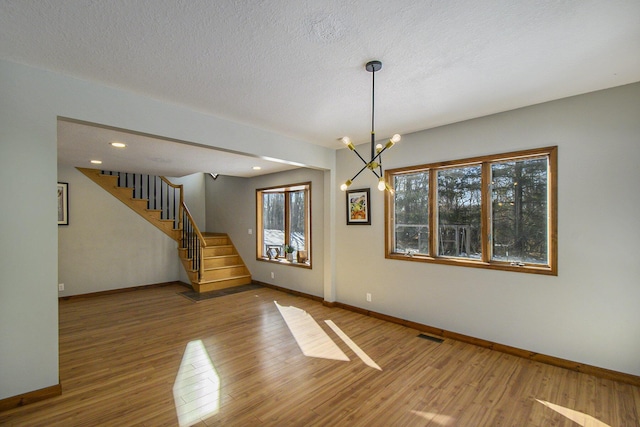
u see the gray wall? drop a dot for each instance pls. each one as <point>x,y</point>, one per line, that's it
<point>231,208</point>
<point>109,246</point>
<point>589,312</point>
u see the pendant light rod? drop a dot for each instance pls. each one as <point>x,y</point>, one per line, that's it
<point>372,67</point>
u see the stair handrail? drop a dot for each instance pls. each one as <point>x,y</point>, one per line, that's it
<point>178,225</point>
<point>194,249</point>
<point>171,184</point>
<point>195,227</point>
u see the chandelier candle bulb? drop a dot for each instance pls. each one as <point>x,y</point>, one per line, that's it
<point>346,141</point>
<point>381,184</point>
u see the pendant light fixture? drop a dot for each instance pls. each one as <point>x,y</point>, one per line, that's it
<point>375,164</point>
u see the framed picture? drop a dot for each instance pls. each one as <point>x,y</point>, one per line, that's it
<point>358,209</point>
<point>63,203</point>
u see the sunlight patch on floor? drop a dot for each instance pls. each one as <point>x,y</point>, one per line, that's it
<point>312,340</point>
<point>353,346</point>
<point>196,390</point>
<point>576,416</point>
<point>443,420</point>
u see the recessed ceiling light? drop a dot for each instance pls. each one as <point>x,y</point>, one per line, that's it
<point>256,168</point>
<point>118,144</point>
<point>96,162</point>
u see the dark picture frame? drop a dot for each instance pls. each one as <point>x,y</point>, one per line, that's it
<point>63,203</point>
<point>358,207</point>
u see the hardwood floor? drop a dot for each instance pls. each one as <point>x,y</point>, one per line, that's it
<point>121,354</point>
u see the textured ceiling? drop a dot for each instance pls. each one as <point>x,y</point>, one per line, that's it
<point>297,67</point>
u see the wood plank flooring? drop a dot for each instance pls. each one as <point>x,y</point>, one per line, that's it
<point>120,356</point>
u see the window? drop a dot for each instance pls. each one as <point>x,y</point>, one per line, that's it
<point>284,221</point>
<point>459,211</point>
<point>495,212</point>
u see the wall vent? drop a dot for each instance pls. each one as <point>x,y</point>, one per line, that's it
<point>430,338</point>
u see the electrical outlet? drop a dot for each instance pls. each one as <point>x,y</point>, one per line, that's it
<point>60,287</point>
<point>368,297</point>
<point>250,231</point>
<point>273,275</point>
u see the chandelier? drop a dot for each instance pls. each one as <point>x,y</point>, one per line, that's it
<point>375,162</point>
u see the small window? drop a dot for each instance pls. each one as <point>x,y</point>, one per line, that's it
<point>494,212</point>
<point>284,224</point>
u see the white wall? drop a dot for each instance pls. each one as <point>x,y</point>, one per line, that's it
<point>231,208</point>
<point>30,102</point>
<point>107,245</point>
<point>589,312</point>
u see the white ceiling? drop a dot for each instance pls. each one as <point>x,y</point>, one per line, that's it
<point>79,142</point>
<point>297,67</point>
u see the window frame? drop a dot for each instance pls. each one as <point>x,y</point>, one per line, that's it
<point>286,190</point>
<point>485,261</point>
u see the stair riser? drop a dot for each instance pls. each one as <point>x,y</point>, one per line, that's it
<point>222,261</point>
<point>217,251</point>
<point>206,287</point>
<point>224,273</point>
<point>216,241</point>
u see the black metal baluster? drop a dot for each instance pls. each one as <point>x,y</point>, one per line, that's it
<point>175,210</point>
<point>191,242</point>
<point>197,256</point>
<point>183,230</point>
<point>133,180</point>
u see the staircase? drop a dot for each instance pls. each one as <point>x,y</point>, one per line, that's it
<point>210,259</point>
<point>221,265</point>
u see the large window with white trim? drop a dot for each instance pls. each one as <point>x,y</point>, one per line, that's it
<point>494,212</point>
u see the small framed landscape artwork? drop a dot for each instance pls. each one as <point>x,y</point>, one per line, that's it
<point>358,209</point>
<point>63,203</point>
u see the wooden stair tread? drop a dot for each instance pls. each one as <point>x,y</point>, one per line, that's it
<point>219,256</point>
<point>223,267</point>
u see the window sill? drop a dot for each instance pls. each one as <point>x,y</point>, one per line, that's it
<point>283,261</point>
<point>532,269</point>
